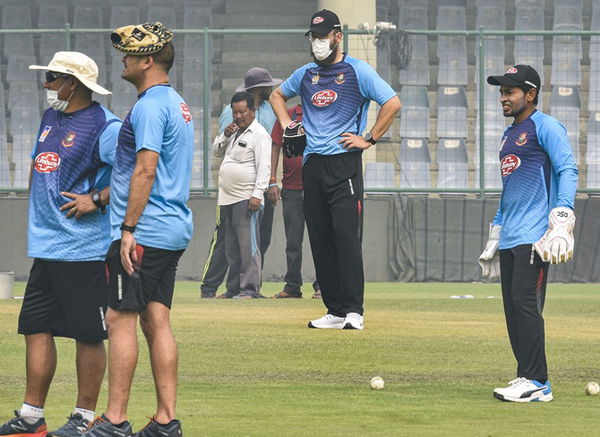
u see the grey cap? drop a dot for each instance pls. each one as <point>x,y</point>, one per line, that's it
<point>255,77</point>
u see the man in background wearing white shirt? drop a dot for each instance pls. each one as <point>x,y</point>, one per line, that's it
<point>243,179</point>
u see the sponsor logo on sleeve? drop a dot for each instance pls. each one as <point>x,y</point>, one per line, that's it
<point>69,139</point>
<point>44,134</point>
<point>509,164</point>
<point>522,140</point>
<point>47,162</point>
<point>324,98</point>
<point>185,112</point>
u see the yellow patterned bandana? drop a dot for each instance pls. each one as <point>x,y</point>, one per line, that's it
<point>141,39</point>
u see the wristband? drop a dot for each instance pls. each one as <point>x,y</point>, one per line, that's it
<point>124,227</point>
<point>272,185</point>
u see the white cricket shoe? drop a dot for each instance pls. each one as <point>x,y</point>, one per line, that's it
<point>525,390</point>
<point>353,321</point>
<point>328,321</point>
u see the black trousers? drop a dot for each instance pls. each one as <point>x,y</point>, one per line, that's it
<point>523,278</point>
<point>216,264</point>
<point>333,194</point>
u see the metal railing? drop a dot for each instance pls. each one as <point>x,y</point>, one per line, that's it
<point>207,34</point>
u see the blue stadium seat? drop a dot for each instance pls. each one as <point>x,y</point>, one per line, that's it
<point>380,175</point>
<point>414,115</point>
<point>451,112</point>
<point>452,162</point>
<point>415,163</point>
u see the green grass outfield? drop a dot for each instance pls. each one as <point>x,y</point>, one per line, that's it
<point>252,368</point>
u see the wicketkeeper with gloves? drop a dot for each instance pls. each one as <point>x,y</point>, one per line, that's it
<point>533,226</point>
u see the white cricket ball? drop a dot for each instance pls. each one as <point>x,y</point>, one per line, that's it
<point>592,388</point>
<point>377,383</point>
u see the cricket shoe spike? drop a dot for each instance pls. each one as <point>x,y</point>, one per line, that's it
<point>17,427</point>
<point>525,390</point>
<point>155,429</point>
<point>76,425</point>
<point>102,427</point>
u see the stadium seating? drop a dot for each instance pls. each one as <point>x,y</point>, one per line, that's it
<point>380,175</point>
<point>414,115</point>
<point>415,163</point>
<point>451,112</point>
<point>452,162</point>
<point>566,49</point>
<point>592,156</point>
<point>415,17</point>
<point>452,49</point>
<point>564,105</point>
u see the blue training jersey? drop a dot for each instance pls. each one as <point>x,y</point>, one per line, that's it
<point>538,174</point>
<point>335,99</point>
<point>264,114</point>
<point>74,153</point>
<point>160,121</point>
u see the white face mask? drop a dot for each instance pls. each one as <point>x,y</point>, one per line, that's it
<point>54,102</point>
<point>320,48</point>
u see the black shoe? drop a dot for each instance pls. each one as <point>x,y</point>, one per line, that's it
<point>18,427</point>
<point>207,294</point>
<point>102,427</point>
<point>76,425</point>
<point>155,429</point>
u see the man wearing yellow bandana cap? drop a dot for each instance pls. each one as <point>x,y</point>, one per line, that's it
<point>151,227</point>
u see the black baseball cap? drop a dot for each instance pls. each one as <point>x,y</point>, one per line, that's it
<point>517,76</point>
<point>323,22</point>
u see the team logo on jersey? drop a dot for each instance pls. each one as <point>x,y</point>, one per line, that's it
<point>339,79</point>
<point>522,139</point>
<point>324,98</point>
<point>44,134</point>
<point>315,79</point>
<point>185,112</point>
<point>318,20</point>
<point>509,164</point>
<point>69,140</point>
<point>47,162</point>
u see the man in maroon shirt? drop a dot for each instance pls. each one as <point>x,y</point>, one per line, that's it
<point>293,214</point>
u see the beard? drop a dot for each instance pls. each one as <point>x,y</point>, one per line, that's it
<point>329,59</point>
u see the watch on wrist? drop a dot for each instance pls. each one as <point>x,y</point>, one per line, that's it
<point>369,138</point>
<point>98,202</point>
<point>124,227</point>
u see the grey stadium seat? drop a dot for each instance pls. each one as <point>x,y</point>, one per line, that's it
<point>564,105</point>
<point>4,164</point>
<point>452,162</point>
<point>566,49</point>
<point>528,17</point>
<point>452,49</point>
<point>451,112</point>
<point>592,155</point>
<point>164,14</point>
<point>415,163</point>
<point>417,72</point>
<point>491,17</point>
<point>414,115</point>
<point>124,96</point>
<point>123,14</point>
<point>380,175</point>
<point>17,17</point>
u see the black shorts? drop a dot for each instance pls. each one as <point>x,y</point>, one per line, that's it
<point>152,281</point>
<point>66,299</point>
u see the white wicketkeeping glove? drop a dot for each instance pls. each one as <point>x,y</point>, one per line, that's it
<point>557,244</point>
<point>489,260</point>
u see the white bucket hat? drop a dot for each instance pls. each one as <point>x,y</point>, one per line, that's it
<point>76,64</point>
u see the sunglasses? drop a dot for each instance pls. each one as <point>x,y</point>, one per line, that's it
<point>51,76</point>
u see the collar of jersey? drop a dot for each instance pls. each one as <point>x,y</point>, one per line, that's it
<point>153,86</point>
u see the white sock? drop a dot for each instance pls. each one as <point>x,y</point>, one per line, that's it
<point>86,414</point>
<point>31,414</point>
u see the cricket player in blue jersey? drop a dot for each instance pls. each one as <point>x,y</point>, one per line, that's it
<point>335,90</point>
<point>68,235</point>
<point>533,226</point>
<point>151,228</point>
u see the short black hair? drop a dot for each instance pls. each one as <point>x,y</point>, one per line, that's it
<point>241,96</point>
<point>165,56</point>
<point>526,89</point>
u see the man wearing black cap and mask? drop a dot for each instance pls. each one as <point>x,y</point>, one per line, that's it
<point>335,90</point>
<point>533,226</point>
<point>259,83</point>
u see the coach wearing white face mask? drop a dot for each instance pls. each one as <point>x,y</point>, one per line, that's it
<point>68,236</point>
